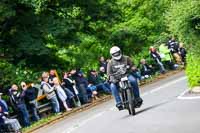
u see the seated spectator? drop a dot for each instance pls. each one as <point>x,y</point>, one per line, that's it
<point>8,125</point>
<point>93,89</point>
<point>135,73</point>
<point>94,79</point>
<point>30,97</point>
<point>1,115</point>
<point>69,83</point>
<point>82,84</point>
<point>102,62</point>
<point>166,56</point>
<point>49,92</point>
<point>61,93</point>
<point>155,55</point>
<point>52,75</point>
<point>182,52</point>
<point>146,70</point>
<point>3,104</point>
<point>17,98</point>
<point>104,77</point>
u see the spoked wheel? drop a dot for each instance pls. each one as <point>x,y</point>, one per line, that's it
<point>131,108</point>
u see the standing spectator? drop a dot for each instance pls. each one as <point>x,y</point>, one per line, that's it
<point>146,70</point>
<point>166,56</point>
<point>182,52</point>
<point>61,93</point>
<point>49,92</point>
<point>173,46</point>
<point>6,123</point>
<point>30,97</point>
<point>69,83</point>
<point>155,55</point>
<point>102,62</point>
<point>82,84</point>
<point>19,103</point>
<point>52,75</point>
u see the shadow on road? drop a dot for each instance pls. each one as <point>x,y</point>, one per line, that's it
<point>152,107</point>
<point>148,108</point>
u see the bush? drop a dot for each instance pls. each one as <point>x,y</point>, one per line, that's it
<point>183,20</point>
<point>11,74</point>
<point>6,75</point>
<point>193,69</point>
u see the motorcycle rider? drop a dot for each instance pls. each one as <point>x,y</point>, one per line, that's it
<point>116,69</point>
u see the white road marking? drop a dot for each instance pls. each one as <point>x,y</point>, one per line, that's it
<point>163,86</point>
<point>183,93</point>
<point>189,98</point>
<point>167,84</point>
<point>182,97</point>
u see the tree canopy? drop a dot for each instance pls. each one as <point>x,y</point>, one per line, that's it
<point>37,35</point>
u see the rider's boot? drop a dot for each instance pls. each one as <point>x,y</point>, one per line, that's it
<point>119,106</point>
<point>138,102</point>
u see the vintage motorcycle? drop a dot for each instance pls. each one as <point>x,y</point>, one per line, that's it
<point>127,95</point>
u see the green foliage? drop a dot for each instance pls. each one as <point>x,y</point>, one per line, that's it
<point>6,73</point>
<point>6,11</point>
<point>38,35</point>
<point>193,69</point>
<point>11,74</point>
<point>144,54</point>
<point>183,20</point>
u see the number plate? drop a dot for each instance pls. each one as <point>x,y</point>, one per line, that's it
<point>124,79</point>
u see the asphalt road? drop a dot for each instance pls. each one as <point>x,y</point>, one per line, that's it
<point>162,112</point>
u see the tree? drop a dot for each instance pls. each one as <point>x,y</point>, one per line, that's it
<point>183,20</point>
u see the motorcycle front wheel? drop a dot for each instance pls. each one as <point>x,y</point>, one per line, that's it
<point>131,108</point>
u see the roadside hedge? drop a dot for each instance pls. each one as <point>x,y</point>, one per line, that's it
<point>183,20</point>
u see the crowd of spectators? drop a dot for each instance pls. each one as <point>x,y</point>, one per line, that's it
<point>76,89</point>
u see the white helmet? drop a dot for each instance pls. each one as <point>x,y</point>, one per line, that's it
<point>115,52</point>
